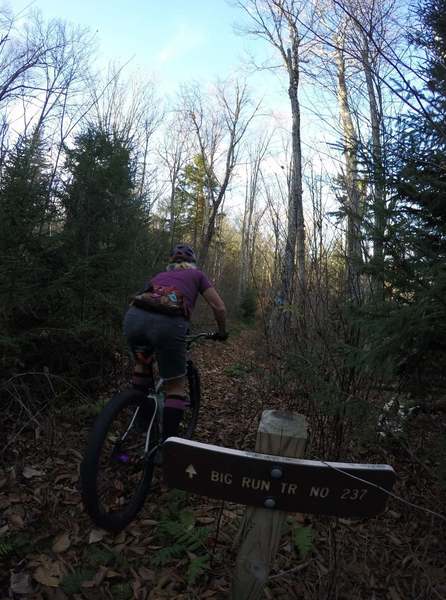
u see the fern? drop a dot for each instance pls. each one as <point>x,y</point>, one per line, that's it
<point>96,556</point>
<point>72,582</point>
<point>182,538</point>
<point>303,540</point>
<point>121,591</point>
<point>164,555</point>
<point>180,541</point>
<point>176,500</point>
<point>7,549</point>
<point>197,566</point>
<point>19,544</point>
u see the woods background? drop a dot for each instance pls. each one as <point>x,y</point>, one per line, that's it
<point>323,226</point>
<point>343,250</point>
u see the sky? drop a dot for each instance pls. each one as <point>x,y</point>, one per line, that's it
<point>177,40</point>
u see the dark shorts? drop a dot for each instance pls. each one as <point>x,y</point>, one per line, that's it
<point>163,335</point>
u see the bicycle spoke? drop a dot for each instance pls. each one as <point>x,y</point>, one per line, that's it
<point>121,463</point>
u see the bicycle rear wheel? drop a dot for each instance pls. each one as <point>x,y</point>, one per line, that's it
<point>116,472</point>
<point>190,417</point>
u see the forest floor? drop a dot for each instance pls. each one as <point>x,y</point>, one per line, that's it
<point>49,549</point>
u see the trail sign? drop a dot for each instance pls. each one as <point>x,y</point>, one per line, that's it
<point>275,482</point>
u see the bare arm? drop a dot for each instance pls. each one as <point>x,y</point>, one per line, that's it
<point>218,308</point>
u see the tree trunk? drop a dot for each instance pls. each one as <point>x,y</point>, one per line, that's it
<point>294,254</point>
<point>353,210</point>
<point>379,183</point>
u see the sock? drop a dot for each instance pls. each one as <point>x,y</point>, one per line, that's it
<point>142,381</point>
<point>173,413</point>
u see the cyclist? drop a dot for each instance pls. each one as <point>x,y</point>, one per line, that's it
<point>150,325</point>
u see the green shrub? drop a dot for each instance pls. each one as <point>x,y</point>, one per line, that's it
<point>248,305</point>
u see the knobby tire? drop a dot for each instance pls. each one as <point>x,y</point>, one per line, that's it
<point>114,520</point>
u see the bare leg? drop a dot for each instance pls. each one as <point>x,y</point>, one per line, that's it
<point>142,378</point>
<point>174,406</point>
<point>175,386</point>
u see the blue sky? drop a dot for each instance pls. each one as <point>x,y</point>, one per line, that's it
<point>177,40</point>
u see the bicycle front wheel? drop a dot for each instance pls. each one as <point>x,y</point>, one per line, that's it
<point>116,471</point>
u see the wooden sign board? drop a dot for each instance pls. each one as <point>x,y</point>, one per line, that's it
<point>291,485</point>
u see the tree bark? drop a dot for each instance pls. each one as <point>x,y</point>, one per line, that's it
<point>379,183</point>
<point>352,188</point>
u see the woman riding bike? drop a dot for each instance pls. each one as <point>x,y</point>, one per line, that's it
<point>158,322</point>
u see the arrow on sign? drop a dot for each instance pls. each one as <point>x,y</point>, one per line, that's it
<point>190,470</point>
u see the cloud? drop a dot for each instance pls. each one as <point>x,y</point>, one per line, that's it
<point>185,39</point>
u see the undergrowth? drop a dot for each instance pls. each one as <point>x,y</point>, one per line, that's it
<point>182,538</point>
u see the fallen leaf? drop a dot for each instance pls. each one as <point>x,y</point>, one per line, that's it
<point>4,503</point>
<point>135,532</point>
<point>20,583</point>
<point>394,594</point>
<point>75,453</point>
<point>205,520</point>
<point>61,543</point>
<point>120,538</point>
<point>16,520</point>
<point>110,574</point>
<point>100,575</point>
<point>139,550</point>
<point>49,574</point>
<point>56,594</point>
<point>145,522</point>
<point>395,539</point>
<point>146,574</point>
<point>30,472</point>
<point>96,535</point>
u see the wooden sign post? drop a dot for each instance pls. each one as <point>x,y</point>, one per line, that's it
<point>282,434</point>
<point>273,481</point>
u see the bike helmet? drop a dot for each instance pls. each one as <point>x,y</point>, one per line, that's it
<point>183,253</point>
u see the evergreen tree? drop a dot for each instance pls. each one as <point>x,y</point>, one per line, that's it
<point>410,328</point>
<point>24,232</point>
<point>193,200</point>
<point>106,230</point>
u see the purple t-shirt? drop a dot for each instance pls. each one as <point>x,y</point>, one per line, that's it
<point>190,282</point>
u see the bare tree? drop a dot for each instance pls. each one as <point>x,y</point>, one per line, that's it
<point>21,51</point>
<point>174,155</point>
<point>281,24</point>
<point>129,108</point>
<point>60,73</point>
<point>366,35</point>
<point>250,224</point>
<point>351,183</point>
<point>219,126</point>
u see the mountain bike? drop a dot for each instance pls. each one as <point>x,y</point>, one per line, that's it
<point>125,444</point>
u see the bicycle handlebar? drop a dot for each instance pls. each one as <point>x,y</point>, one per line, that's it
<point>190,339</point>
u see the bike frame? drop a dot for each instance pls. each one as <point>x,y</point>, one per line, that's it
<point>158,396</point>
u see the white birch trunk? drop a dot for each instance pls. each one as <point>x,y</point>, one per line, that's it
<point>353,209</point>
